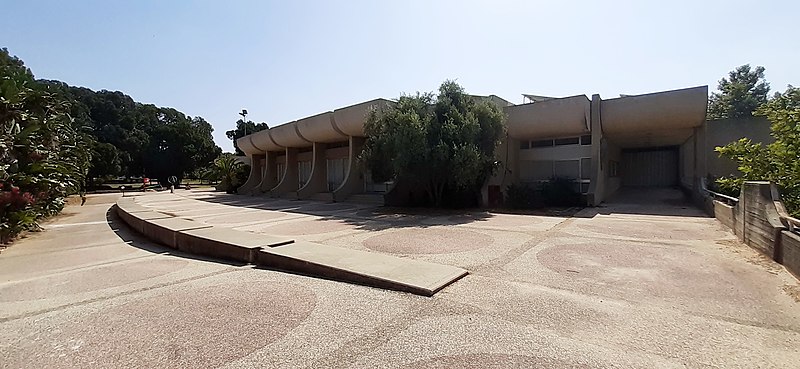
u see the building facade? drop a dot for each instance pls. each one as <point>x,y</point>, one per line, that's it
<point>652,140</point>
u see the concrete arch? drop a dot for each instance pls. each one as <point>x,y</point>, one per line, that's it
<point>354,180</point>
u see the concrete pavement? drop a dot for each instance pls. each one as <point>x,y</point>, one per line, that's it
<point>653,285</point>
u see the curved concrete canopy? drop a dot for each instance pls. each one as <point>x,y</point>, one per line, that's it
<point>263,141</point>
<point>350,120</point>
<point>246,145</point>
<point>552,118</point>
<point>685,108</point>
<point>319,128</point>
<point>287,136</point>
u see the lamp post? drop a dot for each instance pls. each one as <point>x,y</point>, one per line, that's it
<point>244,120</point>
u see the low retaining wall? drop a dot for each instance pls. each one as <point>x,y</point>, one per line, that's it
<point>758,220</point>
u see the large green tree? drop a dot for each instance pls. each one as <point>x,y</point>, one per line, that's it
<point>740,94</point>
<point>243,129</point>
<point>442,142</point>
<point>779,161</point>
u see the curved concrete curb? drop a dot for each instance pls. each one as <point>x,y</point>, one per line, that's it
<point>353,266</point>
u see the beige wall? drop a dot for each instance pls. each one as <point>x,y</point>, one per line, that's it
<point>337,153</point>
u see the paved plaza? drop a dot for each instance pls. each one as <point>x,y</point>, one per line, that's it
<point>646,281</point>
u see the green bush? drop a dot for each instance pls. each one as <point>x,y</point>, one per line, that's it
<point>560,192</point>
<point>779,161</point>
<point>43,150</point>
<point>521,196</point>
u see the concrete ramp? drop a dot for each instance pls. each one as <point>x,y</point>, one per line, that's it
<point>361,267</point>
<point>335,263</point>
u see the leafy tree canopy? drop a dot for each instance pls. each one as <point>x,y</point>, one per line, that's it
<point>44,152</point>
<point>740,94</point>
<point>779,161</point>
<point>440,142</point>
<point>243,129</point>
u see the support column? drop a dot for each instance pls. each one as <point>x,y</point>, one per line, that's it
<point>597,187</point>
<point>354,180</point>
<point>270,178</point>
<point>256,175</point>
<point>288,184</point>
<point>318,181</point>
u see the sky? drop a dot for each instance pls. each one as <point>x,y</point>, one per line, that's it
<point>285,60</point>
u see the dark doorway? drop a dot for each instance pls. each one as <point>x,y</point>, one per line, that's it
<point>651,167</point>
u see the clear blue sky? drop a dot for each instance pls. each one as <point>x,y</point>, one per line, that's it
<point>284,60</point>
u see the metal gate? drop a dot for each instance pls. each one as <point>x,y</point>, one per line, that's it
<point>650,167</point>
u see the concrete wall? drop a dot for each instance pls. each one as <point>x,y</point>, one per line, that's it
<point>755,219</point>
<point>725,131</point>
<point>790,242</point>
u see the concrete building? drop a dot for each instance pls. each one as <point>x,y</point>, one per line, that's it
<point>659,139</point>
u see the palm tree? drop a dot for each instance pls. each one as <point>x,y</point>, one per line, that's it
<point>224,170</point>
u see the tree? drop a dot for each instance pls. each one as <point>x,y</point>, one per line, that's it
<point>779,161</point>
<point>226,170</point>
<point>740,94</point>
<point>177,145</point>
<point>104,161</point>
<point>43,149</point>
<point>243,129</point>
<point>446,142</point>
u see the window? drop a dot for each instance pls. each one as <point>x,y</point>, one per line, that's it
<point>586,168</point>
<point>303,172</point>
<point>566,141</point>
<point>567,169</point>
<point>524,145</point>
<point>586,140</point>
<point>281,170</point>
<point>337,169</point>
<point>542,143</point>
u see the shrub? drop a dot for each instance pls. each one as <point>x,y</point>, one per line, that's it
<point>521,196</point>
<point>560,192</point>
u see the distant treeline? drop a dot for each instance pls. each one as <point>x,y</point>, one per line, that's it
<point>57,139</point>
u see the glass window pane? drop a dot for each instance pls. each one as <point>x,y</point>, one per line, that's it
<point>567,168</point>
<point>566,141</point>
<point>586,168</point>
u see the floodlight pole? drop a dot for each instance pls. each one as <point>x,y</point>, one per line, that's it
<point>244,120</point>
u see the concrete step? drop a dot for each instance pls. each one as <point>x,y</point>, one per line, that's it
<point>361,267</point>
<point>348,265</point>
<point>367,198</point>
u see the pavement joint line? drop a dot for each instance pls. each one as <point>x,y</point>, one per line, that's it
<point>75,224</point>
<point>353,349</point>
<point>511,255</point>
<point>68,248</point>
<point>83,267</point>
<point>116,295</point>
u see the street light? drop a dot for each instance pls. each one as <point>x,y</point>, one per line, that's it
<point>244,120</point>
